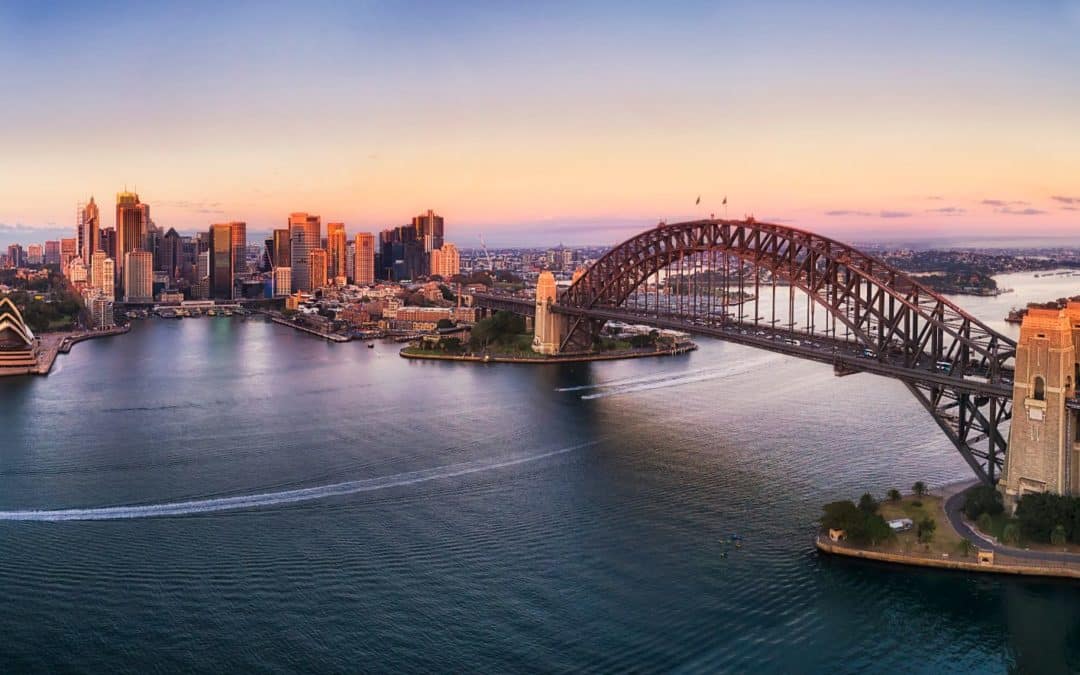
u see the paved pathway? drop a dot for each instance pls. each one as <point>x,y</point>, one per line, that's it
<point>953,495</point>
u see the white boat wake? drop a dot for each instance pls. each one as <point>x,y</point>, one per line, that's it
<point>278,498</point>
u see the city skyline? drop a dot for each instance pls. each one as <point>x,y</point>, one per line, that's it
<point>524,123</point>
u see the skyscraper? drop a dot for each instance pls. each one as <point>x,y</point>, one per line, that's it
<point>132,217</point>
<point>138,276</point>
<point>305,232</point>
<point>364,272</point>
<point>89,230</point>
<point>281,258</point>
<point>318,268</point>
<point>69,250</point>
<point>335,250</point>
<point>103,274</point>
<point>239,246</point>
<point>429,230</point>
<point>52,252</point>
<point>221,261</point>
<point>172,254</point>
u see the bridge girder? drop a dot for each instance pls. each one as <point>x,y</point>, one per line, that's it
<point>883,308</point>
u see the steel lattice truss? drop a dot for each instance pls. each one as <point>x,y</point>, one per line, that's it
<point>911,330</point>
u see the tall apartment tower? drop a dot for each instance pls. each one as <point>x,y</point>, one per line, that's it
<point>1044,452</point>
<point>446,261</point>
<point>69,250</point>
<point>336,250</point>
<point>429,230</point>
<point>222,260</point>
<point>305,234</point>
<point>132,218</point>
<point>239,246</point>
<point>281,249</point>
<point>364,259</point>
<point>89,230</point>
<point>138,276</point>
<point>103,274</point>
<point>318,268</point>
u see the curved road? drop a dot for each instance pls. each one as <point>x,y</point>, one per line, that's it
<point>953,505</point>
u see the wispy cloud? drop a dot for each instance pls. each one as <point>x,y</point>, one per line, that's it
<point>1066,200</point>
<point>934,198</point>
<point>845,212</point>
<point>1000,203</point>
<point>1070,208</point>
<point>948,211</point>
<point>886,213</point>
<point>1021,212</point>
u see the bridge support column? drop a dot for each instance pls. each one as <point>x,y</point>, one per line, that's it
<point>1043,455</point>
<point>549,328</point>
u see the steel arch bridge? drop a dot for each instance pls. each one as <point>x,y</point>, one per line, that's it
<point>715,277</point>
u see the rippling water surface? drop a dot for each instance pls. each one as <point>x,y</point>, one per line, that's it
<point>229,495</point>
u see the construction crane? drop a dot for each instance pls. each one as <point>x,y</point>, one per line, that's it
<point>491,265</point>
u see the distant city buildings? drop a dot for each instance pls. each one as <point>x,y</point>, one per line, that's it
<point>132,218</point>
<point>304,237</point>
<point>222,262</point>
<point>138,276</point>
<point>445,261</point>
<point>336,250</point>
<point>364,259</point>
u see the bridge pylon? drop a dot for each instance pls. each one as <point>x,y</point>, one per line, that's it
<point>1044,455</point>
<point>549,328</point>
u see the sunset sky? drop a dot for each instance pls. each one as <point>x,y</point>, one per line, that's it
<point>542,122</point>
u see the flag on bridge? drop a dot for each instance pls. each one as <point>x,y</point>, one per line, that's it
<point>698,199</point>
<point>723,202</point>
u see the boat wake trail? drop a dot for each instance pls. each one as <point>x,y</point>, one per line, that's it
<point>639,380</point>
<point>686,378</point>
<point>279,498</point>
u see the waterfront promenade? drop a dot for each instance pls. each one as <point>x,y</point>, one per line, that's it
<point>50,345</point>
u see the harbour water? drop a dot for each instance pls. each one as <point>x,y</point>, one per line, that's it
<point>229,495</point>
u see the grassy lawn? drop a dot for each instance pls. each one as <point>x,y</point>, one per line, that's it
<point>945,541</point>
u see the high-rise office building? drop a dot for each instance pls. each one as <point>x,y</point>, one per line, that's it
<point>172,254</point>
<point>69,250</point>
<point>132,218</point>
<point>305,232</point>
<point>103,274</point>
<point>282,281</point>
<point>108,241</point>
<point>281,249</point>
<point>446,261</point>
<point>89,229</point>
<point>52,252</point>
<point>138,276</point>
<point>364,271</point>
<point>335,250</point>
<point>429,230</point>
<point>239,246</point>
<point>35,254</point>
<point>318,268</point>
<point>221,261</point>
<point>16,255</point>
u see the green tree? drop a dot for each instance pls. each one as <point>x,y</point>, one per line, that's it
<point>982,499</point>
<point>894,495</point>
<point>985,523</point>
<point>445,323</point>
<point>1057,535</point>
<point>925,531</point>
<point>1011,534</point>
<point>867,503</point>
<point>919,489</point>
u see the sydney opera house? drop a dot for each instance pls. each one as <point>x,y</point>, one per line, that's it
<point>17,344</point>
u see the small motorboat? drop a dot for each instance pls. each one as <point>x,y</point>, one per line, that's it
<point>371,345</point>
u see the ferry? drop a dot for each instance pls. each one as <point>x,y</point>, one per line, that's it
<point>211,312</point>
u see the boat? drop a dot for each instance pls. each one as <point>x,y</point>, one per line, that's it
<point>211,312</point>
<point>1015,315</point>
<point>371,345</point>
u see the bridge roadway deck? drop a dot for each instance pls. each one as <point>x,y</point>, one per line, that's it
<point>846,356</point>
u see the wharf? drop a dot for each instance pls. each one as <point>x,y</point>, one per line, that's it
<point>332,337</point>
